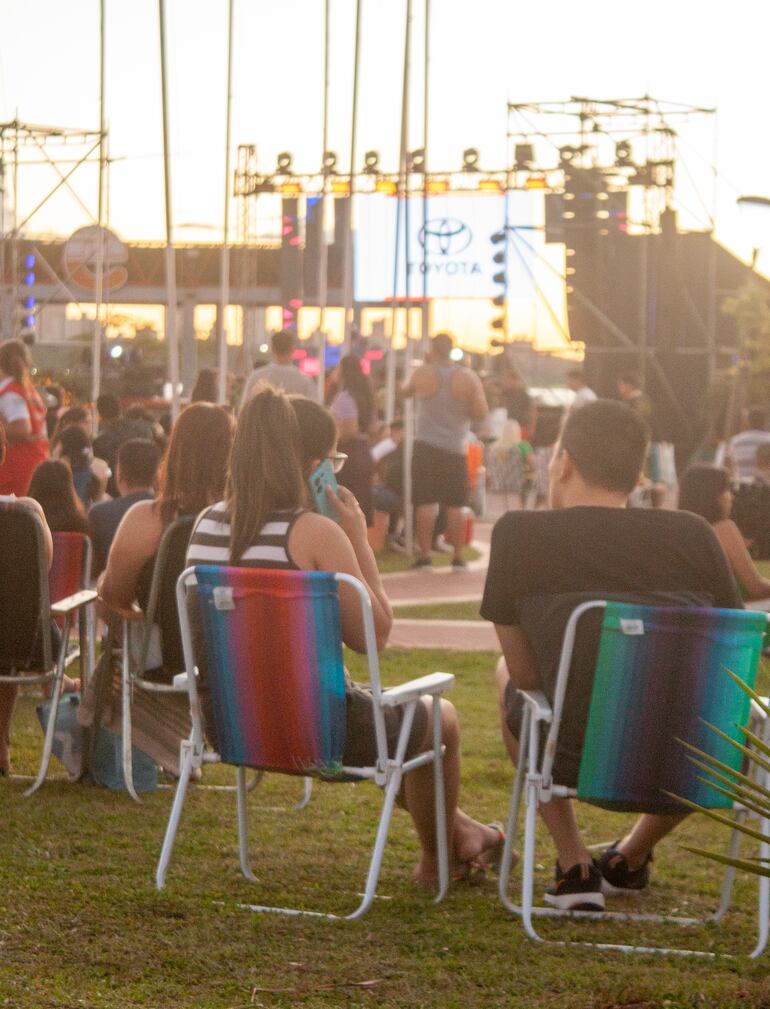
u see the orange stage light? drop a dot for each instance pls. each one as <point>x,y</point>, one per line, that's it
<point>437,186</point>
<point>490,186</point>
<point>340,187</point>
<point>290,188</point>
<point>535,182</point>
<point>386,186</point>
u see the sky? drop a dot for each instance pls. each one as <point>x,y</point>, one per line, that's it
<point>484,53</point>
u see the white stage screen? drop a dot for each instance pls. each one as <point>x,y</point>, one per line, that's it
<point>457,240</point>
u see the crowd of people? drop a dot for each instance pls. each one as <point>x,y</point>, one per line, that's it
<point>245,478</point>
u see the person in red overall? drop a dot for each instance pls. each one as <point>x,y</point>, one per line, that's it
<point>23,414</point>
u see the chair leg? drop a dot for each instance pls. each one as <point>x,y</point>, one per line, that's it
<point>185,771</point>
<point>306,793</point>
<point>127,740</point>
<point>373,875</point>
<point>442,827</point>
<point>528,866</point>
<point>51,727</point>
<point>243,829</point>
<point>728,881</point>
<point>513,820</point>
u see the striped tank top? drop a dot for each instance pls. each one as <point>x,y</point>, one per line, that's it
<point>210,541</point>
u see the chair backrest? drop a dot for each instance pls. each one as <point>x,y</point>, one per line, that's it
<point>71,565</point>
<point>161,605</point>
<point>660,679</point>
<point>24,607</point>
<point>271,643</point>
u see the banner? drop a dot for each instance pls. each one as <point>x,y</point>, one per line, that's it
<point>453,248</point>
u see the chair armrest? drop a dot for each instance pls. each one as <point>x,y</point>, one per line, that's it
<point>73,602</point>
<point>180,681</point>
<point>433,683</point>
<point>538,703</point>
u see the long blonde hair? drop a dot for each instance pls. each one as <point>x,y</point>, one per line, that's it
<point>265,471</point>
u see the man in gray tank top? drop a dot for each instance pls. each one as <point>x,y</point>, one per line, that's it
<point>447,398</point>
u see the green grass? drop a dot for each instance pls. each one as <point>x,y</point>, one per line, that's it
<point>439,611</point>
<point>763,567</point>
<point>390,561</point>
<point>81,924</point>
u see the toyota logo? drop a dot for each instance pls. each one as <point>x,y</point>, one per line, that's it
<point>445,236</point>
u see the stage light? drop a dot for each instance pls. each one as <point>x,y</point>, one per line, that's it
<point>371,162</point>
<point>497,237</point>
<point>623,153</point>
<point>499,301</point>
<point>415,161</point>
<point>27,301</point>
<point>567,154</point>
<point>263,348</point>
<point>471,159</point>
<point>116,352</point>
<point>498,323</point>
<point>329,163</point>
<point>340,187</point>
<point>499,257</point>
<point>524,155</point>
<point>490,186</point>
<point>499,278</point>
<point>535,182</point>
<point>283,163</point>
<point>290,188</point>
<point>456,354</point>
<point>386,186</point>
<point>437,186</point>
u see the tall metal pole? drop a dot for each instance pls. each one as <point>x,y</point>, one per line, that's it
<point>348,258</point>
<point>96,351</point>
<point>224,278</point>
<point>323,258</point>
<point>403,183</point>
<point>425,314</point>
<point>172,339</point>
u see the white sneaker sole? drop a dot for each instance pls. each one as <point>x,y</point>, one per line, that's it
<point>591,901</point>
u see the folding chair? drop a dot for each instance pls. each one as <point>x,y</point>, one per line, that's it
<point>659,679</point>
<point>26,650</point>
<point>272,649</point>
<point>70,572</point>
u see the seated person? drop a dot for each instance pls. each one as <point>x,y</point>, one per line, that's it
<point>192,476</point>
<point>89,474</point>
<point>264,522</point>
<point>52,487</point>
<point>707,491</point>
<point>8,691</point>
<point>137,471</point>
<point>590,546</point>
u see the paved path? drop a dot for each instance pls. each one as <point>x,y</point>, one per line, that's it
<point>443,585</point>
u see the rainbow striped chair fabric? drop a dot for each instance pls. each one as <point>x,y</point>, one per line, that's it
<point>660,680</point>
<point>267,667</point>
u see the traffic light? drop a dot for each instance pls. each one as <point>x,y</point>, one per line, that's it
<point>28,304</point>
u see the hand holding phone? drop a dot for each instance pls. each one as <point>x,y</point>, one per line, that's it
<point>321,478</point>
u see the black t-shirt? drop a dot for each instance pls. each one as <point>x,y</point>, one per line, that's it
<point>544,564</point>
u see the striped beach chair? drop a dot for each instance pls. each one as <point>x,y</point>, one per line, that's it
<point>660,681</point>
<point>270,644</point>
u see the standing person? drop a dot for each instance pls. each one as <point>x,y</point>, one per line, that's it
<point>742,448</point>
<point>448,397</point>
<point>630,391</point>
<point>280,373</point>
<point>591,546</point>
<point>354,410</point>
<point>576,381</point>
<point>205,388</point>
<point>517,401</point>
<point>138,462</point>
<point>23,414</point>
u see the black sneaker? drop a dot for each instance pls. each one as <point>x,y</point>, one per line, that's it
<point>422,562</point>
<point>458,564</point>
<point>617,878</point>
<point>578,889</point>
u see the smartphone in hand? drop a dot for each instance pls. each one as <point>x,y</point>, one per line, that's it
<point>321,478</point>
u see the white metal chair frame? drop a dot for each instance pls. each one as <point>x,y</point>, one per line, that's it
<point>85,650</point>
<point>388,772</point>
<point>53,668</point>
<point>534,777</point>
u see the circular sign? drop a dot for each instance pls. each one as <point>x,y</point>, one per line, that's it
<point>80,259</point>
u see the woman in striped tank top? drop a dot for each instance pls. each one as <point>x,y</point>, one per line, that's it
<point>264,522</point>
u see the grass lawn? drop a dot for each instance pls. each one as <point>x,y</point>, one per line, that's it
<point>391,561</point>
<point>81,924</point>
<point>439,611</point>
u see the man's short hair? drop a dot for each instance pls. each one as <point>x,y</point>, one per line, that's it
<point>283,342</point>
<point>762,459</point>
<point>442,344</point>
<point>108,406</point>
<point>607,442</point>
<point>758,418</point>
<point>630,378</point>
<point>138,461</point>
<point>577,373</point>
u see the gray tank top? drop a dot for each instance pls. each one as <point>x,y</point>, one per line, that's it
<point>442,420</point>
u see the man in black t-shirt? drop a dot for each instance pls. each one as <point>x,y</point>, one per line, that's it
<point>591,546</point>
